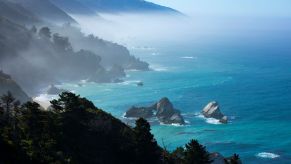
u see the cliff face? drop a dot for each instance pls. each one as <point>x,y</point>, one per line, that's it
<point>9,85</point>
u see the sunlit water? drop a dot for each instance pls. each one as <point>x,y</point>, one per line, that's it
<point>252,83</point>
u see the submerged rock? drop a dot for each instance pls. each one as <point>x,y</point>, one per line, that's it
<point>140,84</point>
<point>53,90</point>
<point>163,110</point>
<point>212,110</point>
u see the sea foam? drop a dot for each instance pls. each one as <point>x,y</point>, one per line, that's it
<point>158,68</point>
<point>267,155</point>
<point>189,57</point>
<point>209,120</point>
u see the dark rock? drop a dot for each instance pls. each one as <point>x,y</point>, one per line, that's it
<point>212,110</point>
<point>140,84</point>
<point>163,110</point>
<point>224,120</point>
<point>136,112</point>
<point>167,114</point>
<point>164,107</point>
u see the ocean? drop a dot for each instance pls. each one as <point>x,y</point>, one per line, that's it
<point>250,78</point>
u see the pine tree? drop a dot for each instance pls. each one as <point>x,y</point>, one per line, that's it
<point>7,104</point>
<point>196,153</point>
<point>235,159</point>
<point>147,149</point>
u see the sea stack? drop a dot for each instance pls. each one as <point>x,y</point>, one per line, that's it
<point>212,110</point>
<point>167,114</point>
<point>163,110</point>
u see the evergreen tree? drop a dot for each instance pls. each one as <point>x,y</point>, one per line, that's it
<point>147,149</point>
<point>7,103</point>
<point>196,153</point>
<point>235,159</point>
<point>178,155</point>
<point>37,141</point>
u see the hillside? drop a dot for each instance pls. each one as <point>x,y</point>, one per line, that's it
<point>36,58</point>
<point>45,10</point>
<point>75,131</point>
<point>111,6</point>
<point>73,7</point>
<point>17,13</point>
<point>9,85</point>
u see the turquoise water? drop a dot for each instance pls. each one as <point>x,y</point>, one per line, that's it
<point>251,81</point>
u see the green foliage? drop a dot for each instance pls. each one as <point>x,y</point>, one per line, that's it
<point>147,148</point>
<point>235,159</point>
<point>178,155</point>
<point>75,131</point>
<point>195,153</point>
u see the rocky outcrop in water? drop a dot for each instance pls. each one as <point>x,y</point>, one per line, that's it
<point>144,112</point>
<point>212,110</point>
<point>163,110</point>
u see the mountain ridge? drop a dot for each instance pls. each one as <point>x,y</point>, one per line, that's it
<point>45,10</point>
<point>119,6</point>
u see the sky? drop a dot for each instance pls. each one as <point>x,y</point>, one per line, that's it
<point>260,8</point>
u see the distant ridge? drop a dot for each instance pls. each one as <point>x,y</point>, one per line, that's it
<point>17,13</point>
<point>116,6</point>
<point>45,10</point>
<point>73,7</point>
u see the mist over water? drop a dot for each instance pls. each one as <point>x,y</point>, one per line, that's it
<point>138,28</point>
<point>242,62</point>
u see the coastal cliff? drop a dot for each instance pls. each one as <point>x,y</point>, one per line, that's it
<point>75,131</point>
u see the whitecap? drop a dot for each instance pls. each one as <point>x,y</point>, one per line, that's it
<point>209,120</point>
<point>158,68</point>
<point>267,155</point>
<point>189,57</point>
<point>128,82</point>
<point>187,122</point>
<point>176,125</point>
<point>155,54</point>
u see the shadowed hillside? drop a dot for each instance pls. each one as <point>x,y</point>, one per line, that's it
<point>45,10</point>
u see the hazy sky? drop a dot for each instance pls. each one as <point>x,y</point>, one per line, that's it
<point>267,8</point>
